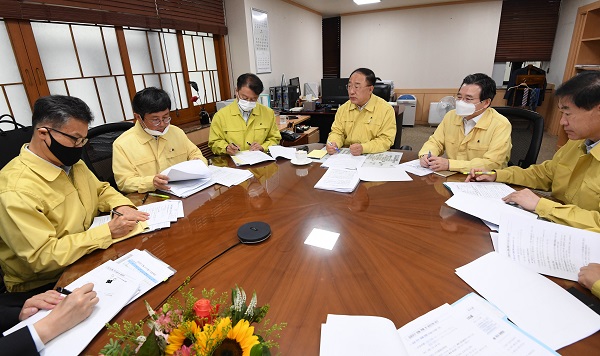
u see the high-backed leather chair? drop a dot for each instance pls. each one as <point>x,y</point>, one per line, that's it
<point>526,135</point>
<point>12,140</point>
<point>98,151</point>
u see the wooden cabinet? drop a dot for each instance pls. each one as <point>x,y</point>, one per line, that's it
<point>585,47</point>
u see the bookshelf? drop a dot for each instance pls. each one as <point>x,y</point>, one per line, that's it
<point>584,53</point>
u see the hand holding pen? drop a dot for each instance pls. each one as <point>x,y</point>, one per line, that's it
<point>480,175</point>
<point>332,148</point>
<point>232,149</point>
<point>124,220</point>
<point>255,146</point>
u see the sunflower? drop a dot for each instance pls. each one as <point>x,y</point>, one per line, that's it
<point>239,341</point>
<point>211,336</point>
<point>180,336</point>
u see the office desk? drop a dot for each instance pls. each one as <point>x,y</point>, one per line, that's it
<point>323,119</point>
<point>398,248</point>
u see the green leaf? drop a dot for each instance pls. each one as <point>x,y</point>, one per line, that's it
<point>150,346</point>
<point>257,350</point>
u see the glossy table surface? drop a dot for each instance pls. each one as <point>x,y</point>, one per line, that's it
<point>398,247</point>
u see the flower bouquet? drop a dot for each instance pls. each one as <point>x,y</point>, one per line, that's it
<point>197,327</point>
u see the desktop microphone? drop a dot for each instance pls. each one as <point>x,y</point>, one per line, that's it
<point>254,232</point>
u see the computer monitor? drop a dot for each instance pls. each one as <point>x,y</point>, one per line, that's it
<point>383,90</point>
<point>334,91</point>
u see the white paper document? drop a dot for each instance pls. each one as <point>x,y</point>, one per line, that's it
<point>548,248</point>
<point>377,174</point>
<point>161,215</point>
<point>344,160</point>
<point>415,168</point>
<point>471,326</point>
<point>492,190</point>
<point>114,289</point>
<point>383,159</point>
<point>339,180</point>
<point>280,151</point>
<point>250,157</point>
<point>489,209</point>
<point>537,305</point>
<point>219,175</point>
<point>194,169</point>
<point>147,270</point>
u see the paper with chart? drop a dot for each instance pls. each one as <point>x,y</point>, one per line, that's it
<point>250,157</point>
<point>344,160</point>
<point>339,180</point>
<point>280,151</point>
<point>114,289</point>
<point>470,326</point>
<point>193,169</point>
<point>378,174</point>
<point>489,209</point>
<point>548,248</point>
<point>383,159</point>
<point>557,322</point>
<point>146,269</point>
<point>492,190</point>
<point>415,168</point>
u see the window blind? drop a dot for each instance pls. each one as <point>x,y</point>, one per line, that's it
<point>527,30</point>
<point>192,15</point>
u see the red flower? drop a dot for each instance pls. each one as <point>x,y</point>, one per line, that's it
<point>203,311</point>
<point>194,99</point>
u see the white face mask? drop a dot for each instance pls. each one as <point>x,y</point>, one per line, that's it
<point>246,105</point>
<point>154,132</point>
<point>465,109</point>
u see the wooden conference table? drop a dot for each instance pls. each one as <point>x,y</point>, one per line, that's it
<point>398,248</point>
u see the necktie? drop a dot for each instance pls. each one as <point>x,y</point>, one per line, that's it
<point>525,96</point>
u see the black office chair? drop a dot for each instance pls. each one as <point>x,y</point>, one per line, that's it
<point>397,141</point>
<point>98,151</point>
<point>11,141</point>
<point>526,135</point>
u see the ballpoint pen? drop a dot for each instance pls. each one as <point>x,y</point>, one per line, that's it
<point>145,197</point>
<point>114,212</point>
<point>159,195</point>
<point>62,290</point>
<point>429,155</point>
<point>479,173</point>
<point>331,144</point>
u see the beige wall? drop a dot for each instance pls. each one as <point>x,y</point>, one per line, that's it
<point>430,47</point>
<point>295,41</point>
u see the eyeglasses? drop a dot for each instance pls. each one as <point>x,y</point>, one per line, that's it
<point>356,87</point>
<point>78,141</point>
<point>467,100</point>
<point>157,122</point>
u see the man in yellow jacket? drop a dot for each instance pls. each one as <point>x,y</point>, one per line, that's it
<point>472,135</point>
<point>244,124</point>
<point>365,123</point>
<point>572,174</point>
<point>49,198</point>
<point>151,145</point>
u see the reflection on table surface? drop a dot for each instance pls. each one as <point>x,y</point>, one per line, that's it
<point>398,248</point>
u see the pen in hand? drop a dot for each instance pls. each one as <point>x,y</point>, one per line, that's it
<point>335,148</point>
<point>114,212</point>
<point>62,290</point>
<point>479,173</point>
<point>145,198</point>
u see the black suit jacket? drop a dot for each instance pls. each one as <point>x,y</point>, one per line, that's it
<point>19,343</point>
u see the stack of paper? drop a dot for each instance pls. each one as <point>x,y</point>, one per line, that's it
<point>194,169</point>
<point>250,157</point>
<point>537,305</point>
<point>161,215</point>
<point>219,175</point>
<point>339,180</point>
<point>344,160</point>
<point>116,283</point>
<point>383,159</point>
<point>488,209</point>
<point>470,326</point>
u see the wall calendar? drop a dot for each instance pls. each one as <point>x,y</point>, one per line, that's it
<point>262,50</point>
